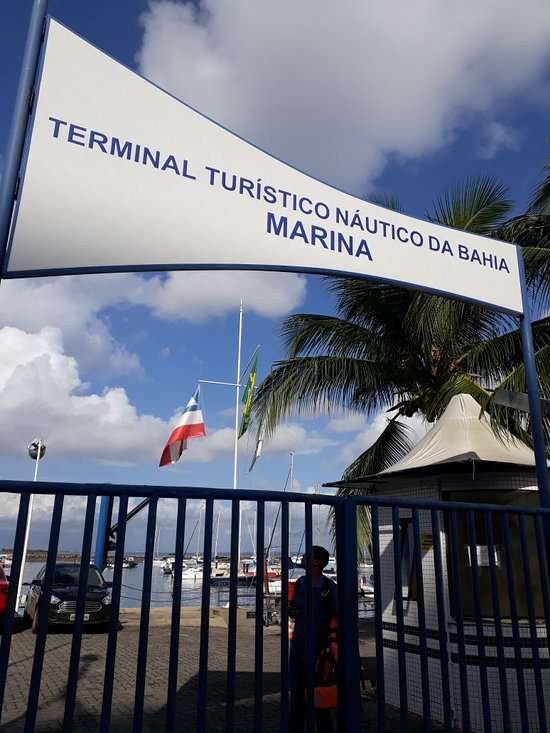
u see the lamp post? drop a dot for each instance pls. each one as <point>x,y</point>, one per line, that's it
<point>36,451</point>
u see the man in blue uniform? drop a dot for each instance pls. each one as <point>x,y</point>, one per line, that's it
<point>325,606</point>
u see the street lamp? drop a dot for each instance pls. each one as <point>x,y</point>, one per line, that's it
<point>36,450</point>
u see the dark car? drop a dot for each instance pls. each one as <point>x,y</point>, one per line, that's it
<point>4,586</point>
<point>62,608</point>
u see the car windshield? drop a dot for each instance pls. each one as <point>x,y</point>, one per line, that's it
<point>70,575</point>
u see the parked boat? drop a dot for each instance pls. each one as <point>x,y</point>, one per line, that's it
<point>127,562</point>
<point>191,573</point>
<point>168,565</point>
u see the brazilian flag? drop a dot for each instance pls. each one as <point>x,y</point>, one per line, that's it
<point>248,396</point>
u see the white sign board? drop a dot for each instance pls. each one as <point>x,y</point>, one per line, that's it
<point>122,176</point>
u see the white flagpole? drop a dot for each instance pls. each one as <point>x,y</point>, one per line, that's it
<point>237,399</point>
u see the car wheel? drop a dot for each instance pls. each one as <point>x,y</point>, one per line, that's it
<point>34,626</point>
<point>26,618</point>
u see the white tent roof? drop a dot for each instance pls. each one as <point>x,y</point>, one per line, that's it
<point>461,435</point>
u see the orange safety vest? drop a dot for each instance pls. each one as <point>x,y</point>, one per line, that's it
<point>325,691</point>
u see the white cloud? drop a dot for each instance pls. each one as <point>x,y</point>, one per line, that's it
<point>39,395</point>
<point>371,80</point>
<point>77,306</point>
<point>497,137</point>
<point>365,438</point>
<point>347,423</point>
<point>199,296</point>
<point>74,305</point>
<point>292,437</point>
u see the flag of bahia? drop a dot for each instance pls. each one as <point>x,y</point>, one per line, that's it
<point>190,425</point>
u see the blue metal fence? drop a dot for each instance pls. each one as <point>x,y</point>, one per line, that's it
<point>459,636</point>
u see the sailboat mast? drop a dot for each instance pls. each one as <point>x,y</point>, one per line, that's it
<point>291,484</point>
<point>217,535</point>
<point>199,536</point>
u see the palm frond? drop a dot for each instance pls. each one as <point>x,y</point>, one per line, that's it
<point>540,202</point>
<point>311,385</point>
<point>496,358</point>
<point>453,323</point>
<point>537,270</point>
<point>479,205</point>
<point>377,306</point>
<point>387,200</point>
<point>306,335</point>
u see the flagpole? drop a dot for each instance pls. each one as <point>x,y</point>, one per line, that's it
<point>237,398</point>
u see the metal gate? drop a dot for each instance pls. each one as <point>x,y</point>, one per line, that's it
<point>458,638</point>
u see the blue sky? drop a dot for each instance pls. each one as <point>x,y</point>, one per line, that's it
<point>394,97</point>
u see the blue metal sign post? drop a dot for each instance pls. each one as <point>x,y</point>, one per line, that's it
<point>20,120</point>
<point>534,397</point>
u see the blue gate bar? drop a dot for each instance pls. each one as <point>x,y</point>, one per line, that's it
<point>205,616</point>
<point>144,617</point>
<point>310,624</point>
<point>349,629</point>
<point>459,617</point>
<point>532,623</point>
<point>400,620</point>
<point>42,610</point>
<point>515,624</point>
<point>284,614</point>
<point>9,616</point>
<point>543,571</point>
<point>173,662</point>
<point>379,641</point>
<point>232,630</point>
<point>422,639</point>
<point>259,619</point>
<point>441,623</point>
<point>499,638</point>
<point>72,677</point>
<point>110,658</point>
<point>472,545</point>
<point>341,591</point>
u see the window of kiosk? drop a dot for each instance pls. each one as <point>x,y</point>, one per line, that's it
<point>483,560</point>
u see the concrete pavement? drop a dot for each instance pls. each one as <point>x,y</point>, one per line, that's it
<point>92,667</point>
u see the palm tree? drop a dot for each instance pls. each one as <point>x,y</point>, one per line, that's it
<point>402,351</point>
<point>532,231</point>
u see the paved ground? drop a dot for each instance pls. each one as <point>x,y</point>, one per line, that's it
<point>90,685</point>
